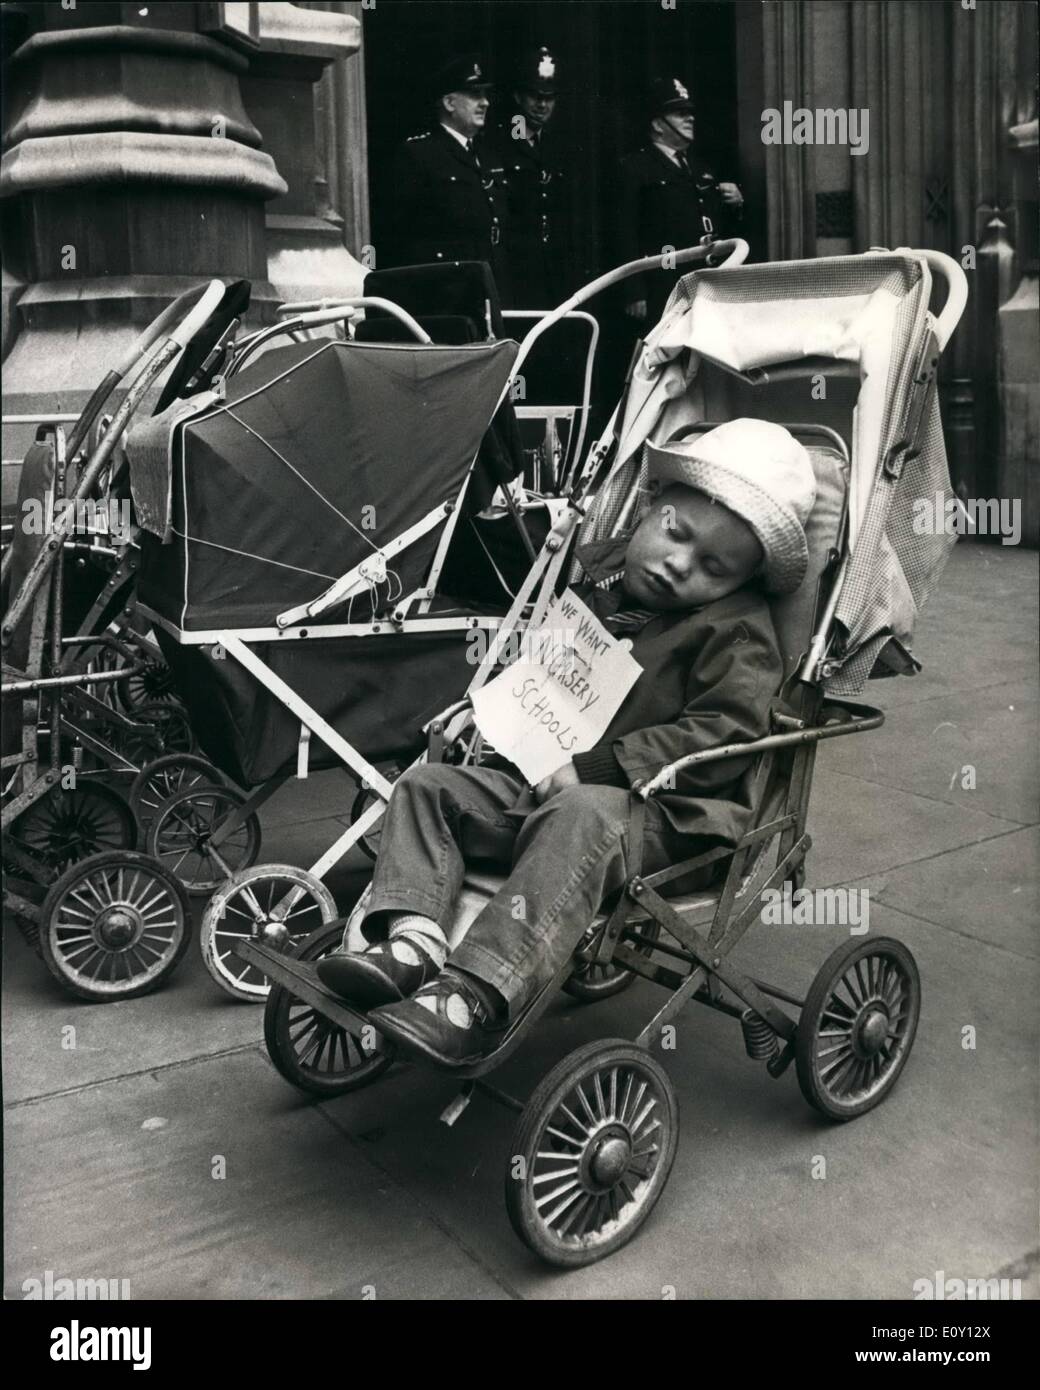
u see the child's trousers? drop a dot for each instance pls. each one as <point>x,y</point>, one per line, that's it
<point>566,856</point>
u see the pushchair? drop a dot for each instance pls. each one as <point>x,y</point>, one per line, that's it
<point>298,526</point>
<point>595,1142</point>
<point>95,705</point>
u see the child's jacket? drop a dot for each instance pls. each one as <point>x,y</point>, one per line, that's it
<point>709,677</point>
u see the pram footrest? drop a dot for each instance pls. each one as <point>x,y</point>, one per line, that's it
<point>302,978</point>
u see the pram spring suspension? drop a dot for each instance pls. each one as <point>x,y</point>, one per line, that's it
<point>760,1042</point>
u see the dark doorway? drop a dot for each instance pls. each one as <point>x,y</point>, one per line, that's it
<point>606,49</point>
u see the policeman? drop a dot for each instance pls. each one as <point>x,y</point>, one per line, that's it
<point>521,143</point>
<point>669,197</point>
<point>449,201</point>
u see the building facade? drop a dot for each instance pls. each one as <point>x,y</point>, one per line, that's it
<point>149,146</point>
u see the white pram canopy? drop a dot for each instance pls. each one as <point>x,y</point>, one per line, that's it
<point>861,316</point>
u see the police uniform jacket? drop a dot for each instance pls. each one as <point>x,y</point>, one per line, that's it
<point>449,204</point>
<point>663,205</point>
<point>536,190</point>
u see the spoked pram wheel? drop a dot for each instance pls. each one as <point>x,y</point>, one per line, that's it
<point>182,832</point>
<point>69,823</point>
<point>159,780</point>
<point>592,1153</point>
<point>592,980</point>
<point>274,904</point>
<point>311,1052</point>
<point>857,1026</point>
<point>106,659</point>
<point>153,685</point>
<point>166,730</point>
<point>114,926</point>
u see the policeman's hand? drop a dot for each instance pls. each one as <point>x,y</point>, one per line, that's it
<point>637,309</point>
<point>549,786</point>
<point>731,195</point>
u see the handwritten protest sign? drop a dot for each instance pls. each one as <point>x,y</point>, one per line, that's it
<point>559,696</point>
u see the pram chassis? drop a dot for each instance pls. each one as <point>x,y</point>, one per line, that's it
<point>111,924</point>
<point>849,1040</point>
<point>295,625</point>
<point>695,968</point>
<point>629,943</point>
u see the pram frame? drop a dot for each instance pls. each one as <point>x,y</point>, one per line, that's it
<point>698,967</point>
<point>237,643</point>
<point>640,892</point>
<point>771,1033</point>
<point>135,889</point>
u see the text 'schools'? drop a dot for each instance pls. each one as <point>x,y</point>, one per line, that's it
<point>558,699</point>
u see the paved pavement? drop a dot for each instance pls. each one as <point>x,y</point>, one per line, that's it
<point>110,1147</point>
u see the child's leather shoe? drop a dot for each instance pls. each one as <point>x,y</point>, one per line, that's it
<point>445,1022</point>
<point>374,976</point>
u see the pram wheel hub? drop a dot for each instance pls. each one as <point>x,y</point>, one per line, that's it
<point>277,904</point>
<point>149,687</point>
<point>199,835</point>
<point>857,1027</point>
<point>114,926</point>
<point>275,934</point>
<point>597,1140</point>
<point>118,928</point>
<point>871,1033</point>
<point>608,1159</point>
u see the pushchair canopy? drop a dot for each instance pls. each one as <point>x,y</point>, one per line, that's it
<point>751,340</point>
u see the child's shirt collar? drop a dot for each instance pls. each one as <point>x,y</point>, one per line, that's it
<point>604,563</point>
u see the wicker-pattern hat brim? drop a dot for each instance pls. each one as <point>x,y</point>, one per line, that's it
<point>778,529</point>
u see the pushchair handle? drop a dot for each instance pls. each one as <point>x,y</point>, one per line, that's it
<point>735,250</point>
<point>315,313</point>
<point>189,303</point>
<point>193,321</point>
<point>947,269</point>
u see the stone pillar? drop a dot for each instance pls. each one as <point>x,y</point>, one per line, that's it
<point>834,166</point>
<point>343,137</point>
<point>131,171</point>
<point>305,91</point>
<point>788,76</point>
<point>937,80</point>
